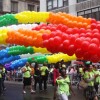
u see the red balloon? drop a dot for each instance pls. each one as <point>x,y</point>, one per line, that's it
<point>82,34</point>
<point>60,48</point>
<point>93,26</point>
<point>79,53</point>
<point>72,39</point>
<point>82,30</point>
<point>69,31</point>
<point>78,42</point>
<point>66,43</point>
<point>57,40</point>
<point>88,39</point>
<point>51,42</point>
<point>95,30</point>
<point>88,30</point>
<point>45,43</point>
<point>96,35</point>
<point>59,27</point>
<point>76,30</point>
<point>98,26</point>
<point>93,20</point>
<point>93,48</point>
<point>65,36</point>
<point>64,28</point>
<point>53,34</point>
<point>85,45</point>
<point>94,58</point>
<point>59,33</point>
<point>45,36</point>
<point>96,41</point>
<point>88,34</point>
<point>53,28</point>
<point>86,56</point>
<point>71,50</point>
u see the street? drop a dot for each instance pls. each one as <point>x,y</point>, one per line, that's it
<point>14,92</point>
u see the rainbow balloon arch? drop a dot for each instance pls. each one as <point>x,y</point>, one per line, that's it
<point>70,36</point>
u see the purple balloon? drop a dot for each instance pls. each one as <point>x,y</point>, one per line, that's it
<point>7,66</point>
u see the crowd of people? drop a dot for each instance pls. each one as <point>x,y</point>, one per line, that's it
<point>61,76</point>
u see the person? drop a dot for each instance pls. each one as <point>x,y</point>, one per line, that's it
<point>1,79</point>
<point>96,73</point>
<point>56,73</point>
<point>32,74</point>
<point>63,86</point>
<point>44,74</point>
<point>89,78</point>
<point>37,77</point>
<point>27,77</point>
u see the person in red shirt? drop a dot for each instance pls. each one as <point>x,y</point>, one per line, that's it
<point>55,73</point>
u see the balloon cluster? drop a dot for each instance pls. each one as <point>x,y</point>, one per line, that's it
<point>19,50</point>
<point>26,37</point>
<point>8,19</point>
<point>39,59</point>
<point>67,33</point>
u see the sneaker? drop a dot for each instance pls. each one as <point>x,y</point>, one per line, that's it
<point>24,92</point>
<point>32,91</point>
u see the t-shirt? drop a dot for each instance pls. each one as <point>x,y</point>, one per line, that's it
<point>88,75</point>
<point>27,73</point>
<point>43,70</point>
<point>97,72</point>
<point>63,85</point>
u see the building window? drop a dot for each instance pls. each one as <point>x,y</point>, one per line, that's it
<point>14,6</point>
<point>80,1</point>
<point>31,7</point>
<point>56,4</point>
<point>1,5</point>
<point>38,8</point>
<point>65,3</point>
<point>90,13</point>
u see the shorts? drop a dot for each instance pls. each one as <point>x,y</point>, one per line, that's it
<point>27,81</point>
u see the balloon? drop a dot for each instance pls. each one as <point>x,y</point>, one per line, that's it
<point>96,41</point>
<point>93,48</point>
<point>79,53</point>
<point>85,45</point>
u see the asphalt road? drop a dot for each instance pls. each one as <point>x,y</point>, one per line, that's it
<point>14,92</point>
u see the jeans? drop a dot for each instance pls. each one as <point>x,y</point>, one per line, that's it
<point>44,80</point>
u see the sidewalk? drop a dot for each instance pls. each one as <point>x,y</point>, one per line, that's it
<point>14,82</point>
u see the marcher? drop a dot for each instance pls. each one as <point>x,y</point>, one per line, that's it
<point>37,77</point>
<point>1,79</point>
<point>27,77</point>
<point>63,86</point>
<point>44,74</point>
<point>97,74</point>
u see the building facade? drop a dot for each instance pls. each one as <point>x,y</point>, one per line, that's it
<point>15,6</point>
<point>85,8</point>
